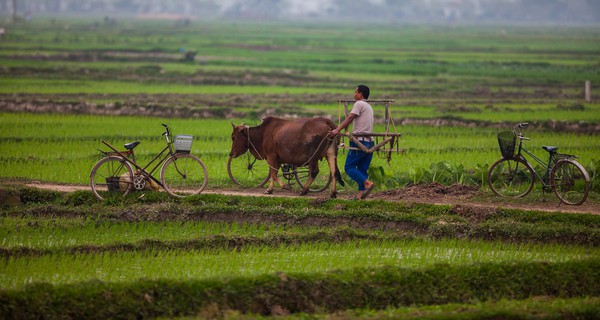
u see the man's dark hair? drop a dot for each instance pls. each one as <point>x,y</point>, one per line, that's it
<point>364,90</point>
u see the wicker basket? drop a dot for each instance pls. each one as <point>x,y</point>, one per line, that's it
<point>183,143</point>
<point>507,142</point>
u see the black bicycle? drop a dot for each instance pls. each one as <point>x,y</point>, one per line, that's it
<point>514,176</point>
<point>181,174</point>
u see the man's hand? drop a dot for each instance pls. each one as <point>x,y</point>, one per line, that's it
<point>344,124</point>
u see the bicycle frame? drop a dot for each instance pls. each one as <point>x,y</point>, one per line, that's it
<point>541,162</point>
<point>143,170</point>
<point>547,166</point>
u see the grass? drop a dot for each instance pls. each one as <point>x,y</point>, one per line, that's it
<point>531,308</point>
<point>63,148</point>
<point>249,261</point>
<point>38,86</point>
<point>71,253</point>
<point>543,55</point>
<point>393,218</point>
<point>60,233</point>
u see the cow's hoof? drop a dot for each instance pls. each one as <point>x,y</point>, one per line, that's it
<point>269,191</point>
<point>304,192</point>
<point>333,195</point>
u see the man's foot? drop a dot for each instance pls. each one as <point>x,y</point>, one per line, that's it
<point>368,189</point>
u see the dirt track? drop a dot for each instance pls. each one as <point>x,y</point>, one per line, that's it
<point>460,196</point>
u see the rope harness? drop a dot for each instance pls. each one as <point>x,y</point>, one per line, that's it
<point>250,144</point>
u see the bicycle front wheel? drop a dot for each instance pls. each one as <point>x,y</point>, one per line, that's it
<point>322,180</point>
<point>511,178</point>
<point>247,171</point>
<point>570,181</point>
<point>111,177</point>
<point>183,175</point>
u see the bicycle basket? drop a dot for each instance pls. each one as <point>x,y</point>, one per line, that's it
<point>183,143</point>
<point>507,142</point>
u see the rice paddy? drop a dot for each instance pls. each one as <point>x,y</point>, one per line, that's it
<point>66,85</point>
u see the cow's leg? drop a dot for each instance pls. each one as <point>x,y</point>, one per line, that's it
<point>273,170</point>
<point>331,160</point>
<point>313,168</point>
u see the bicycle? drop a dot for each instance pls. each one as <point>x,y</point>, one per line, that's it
<point>248,171</point>
<point>181,174</point>
<point>514,176</point>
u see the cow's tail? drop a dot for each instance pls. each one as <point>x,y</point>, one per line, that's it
<point>338,174</point>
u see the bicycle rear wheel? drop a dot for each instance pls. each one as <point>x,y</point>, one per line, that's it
<point>183,175</point>
<point>570,181</point>
<point>322,180</point>
<point>111,177</point>
<point>247,171</point>
<point>511,177</point>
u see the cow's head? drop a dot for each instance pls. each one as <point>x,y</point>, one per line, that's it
<point>239,140</point>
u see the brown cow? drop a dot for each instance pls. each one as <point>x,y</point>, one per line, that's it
<point>297,142</point>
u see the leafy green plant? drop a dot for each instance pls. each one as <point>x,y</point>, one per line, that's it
<point>479,176</point>
<point>417,175</point>
<point>440,172</point>
<point>593,170</point>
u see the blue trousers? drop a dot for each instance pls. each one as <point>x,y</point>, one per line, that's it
<point>357,164</point>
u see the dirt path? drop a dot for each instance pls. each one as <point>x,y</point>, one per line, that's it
<point>461,196</point>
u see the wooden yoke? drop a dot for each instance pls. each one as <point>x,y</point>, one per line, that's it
<point>387,136</point>
<point>387,109</point>
<point>390,137</point>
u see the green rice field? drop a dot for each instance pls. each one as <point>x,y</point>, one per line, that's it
<point>182,265</point>
<point>67,84</point>
<point>68,147</point>
<point>211,250</point>
<point>120,82</point>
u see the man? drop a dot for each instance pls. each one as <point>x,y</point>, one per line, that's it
<point>357,161</point>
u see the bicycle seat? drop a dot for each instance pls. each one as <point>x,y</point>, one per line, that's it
<point>131,145</point>
<point>550,149</point>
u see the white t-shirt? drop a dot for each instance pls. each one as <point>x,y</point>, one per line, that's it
<point>363,123</point>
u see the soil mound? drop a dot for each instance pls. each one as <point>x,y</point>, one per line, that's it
<point>431,191</point>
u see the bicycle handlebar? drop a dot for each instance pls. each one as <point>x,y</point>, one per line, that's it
<point>517,130</point>
<point>167,133</point>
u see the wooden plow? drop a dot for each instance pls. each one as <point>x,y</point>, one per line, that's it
<point>386,142</point>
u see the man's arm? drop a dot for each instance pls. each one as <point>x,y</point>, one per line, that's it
<point>344,124</point>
